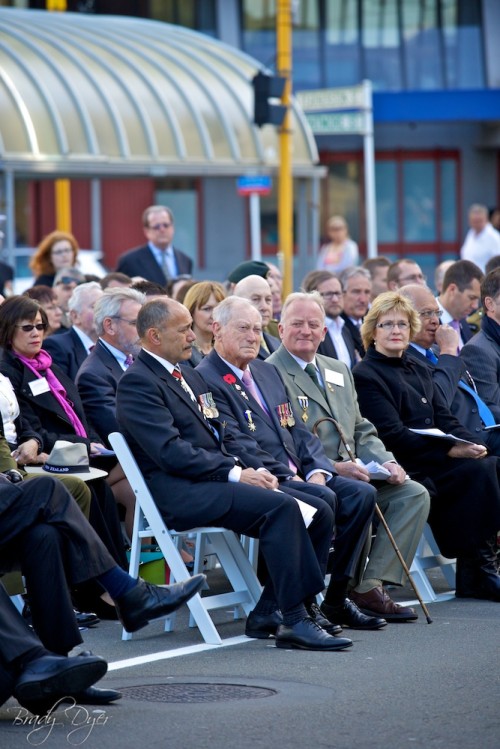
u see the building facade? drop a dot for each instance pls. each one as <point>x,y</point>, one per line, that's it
<point>435,71</point>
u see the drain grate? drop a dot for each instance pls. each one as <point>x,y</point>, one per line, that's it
<point>195,692</point>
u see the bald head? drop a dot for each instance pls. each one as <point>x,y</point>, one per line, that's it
<point>424,302</point>
<point>257,291</point>
<point>418,295</point>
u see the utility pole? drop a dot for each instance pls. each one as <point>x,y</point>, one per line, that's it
<point>62,187</point>
<point>285,183</point>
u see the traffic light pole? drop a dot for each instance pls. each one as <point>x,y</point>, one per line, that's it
<point>285,184</point>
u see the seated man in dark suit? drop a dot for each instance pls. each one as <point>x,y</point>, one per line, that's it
<point>481,354</point>
<point>35,676</point>
<point>449,371</point>
<point>157,260</point>
<point>323,388</point>
<point>460,297</point>
<point>196,477</point>
<point>257,291</point>
<point>338,342</point>
<point>252,399</point>
<point>115,317</point>
<point>44,534</point>
<point>70,349</point>
<point>357,288</point>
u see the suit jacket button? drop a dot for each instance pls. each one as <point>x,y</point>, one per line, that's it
<point>424,400</point>
<point>427,421</point>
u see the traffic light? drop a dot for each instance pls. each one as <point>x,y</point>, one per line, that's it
<point>268,87</point>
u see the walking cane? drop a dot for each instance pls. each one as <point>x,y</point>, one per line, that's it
<point>378,512</point>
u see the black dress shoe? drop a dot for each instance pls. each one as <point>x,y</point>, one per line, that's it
<point>96,696</point>
<point>54,676</point>
<point>329,625</point>
<point>262,626</point>
<point>307,635</point>
<point>350,616</point>
<point>86,618</point>
<point>145,601</point>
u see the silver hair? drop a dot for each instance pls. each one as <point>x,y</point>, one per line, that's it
<point>351,273</point>
<point>223,313</point>
<point>77,298</point>
<point>303,296</point>
<point>110,303</point>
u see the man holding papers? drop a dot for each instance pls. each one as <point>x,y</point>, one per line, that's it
<point>436,347</point>
<point>331,393</point>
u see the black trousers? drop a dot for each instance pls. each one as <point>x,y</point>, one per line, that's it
<point>295,557</point>
<point>45,535</point>
<point>354,507</point>
<point>16,640</point>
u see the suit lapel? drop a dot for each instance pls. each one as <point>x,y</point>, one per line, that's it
<point>151,268</point>
<point>177,391</point>
<point>109,361</point>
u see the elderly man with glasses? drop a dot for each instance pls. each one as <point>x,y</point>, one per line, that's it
<point>338,341</point>
<point>436,346</point>
<point>158,260</point>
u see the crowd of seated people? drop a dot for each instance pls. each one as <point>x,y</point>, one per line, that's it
<point>380,341</point>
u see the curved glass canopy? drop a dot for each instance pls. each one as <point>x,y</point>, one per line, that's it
<point>110,95</point>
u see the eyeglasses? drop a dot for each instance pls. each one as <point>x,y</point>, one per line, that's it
<point>428,314</point>
<point>66,280</point>
<point>63,251</point>
<point>329,294</point>
<point>28,328</point>
<point>401,325</point>
<point>415,277</point>
<point>124,319</point>
<point>157,227</point>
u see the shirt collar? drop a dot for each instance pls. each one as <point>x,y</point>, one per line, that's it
<point>301,362</point>
<point>119,355</point>
<point>420,349</point>
<point>167,364</point>
<point>85,339</point>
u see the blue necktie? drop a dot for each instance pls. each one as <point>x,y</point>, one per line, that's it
<point>431,356</point>
<point>484,412</point>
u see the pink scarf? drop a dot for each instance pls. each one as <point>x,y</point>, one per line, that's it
<point>42,363</point>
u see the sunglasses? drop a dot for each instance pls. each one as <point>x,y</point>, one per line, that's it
<point>28,328</point>
<point>157,227</point>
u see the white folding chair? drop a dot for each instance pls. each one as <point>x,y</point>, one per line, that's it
<point>220,541</point>
<point>428,557</point>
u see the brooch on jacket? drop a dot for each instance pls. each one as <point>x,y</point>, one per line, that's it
<point>250,422</point>
<point>208,406</point>
<point>231,380</point>
<point>304,404</point>
<point>285,415</point>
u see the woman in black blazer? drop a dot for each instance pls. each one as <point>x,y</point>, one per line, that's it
<point>397,394</point>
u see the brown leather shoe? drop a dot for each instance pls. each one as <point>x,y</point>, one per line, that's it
<point>377,602</point>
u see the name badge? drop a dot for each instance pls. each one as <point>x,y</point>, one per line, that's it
<point>337,378</point>
<point>39,386</point>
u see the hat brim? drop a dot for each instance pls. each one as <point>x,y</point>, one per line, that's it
<point>93,473</point>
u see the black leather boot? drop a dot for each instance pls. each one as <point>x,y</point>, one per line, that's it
<point>489,578</point>
<point>478,577</point>
<point>467,577</point>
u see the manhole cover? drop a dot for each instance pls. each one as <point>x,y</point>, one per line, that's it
<point>195,692</point>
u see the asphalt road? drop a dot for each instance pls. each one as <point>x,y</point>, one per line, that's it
<point>409,685</point>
